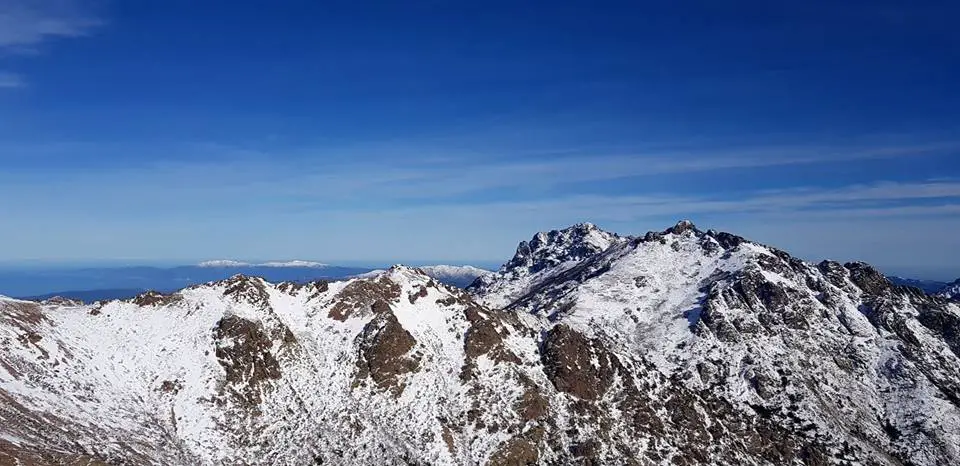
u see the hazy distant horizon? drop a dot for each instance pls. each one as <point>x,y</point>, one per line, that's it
<point>943,274</point>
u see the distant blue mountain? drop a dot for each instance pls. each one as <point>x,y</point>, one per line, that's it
<point>110,280</point>
<point>89,296</point>
<point>928,286</point>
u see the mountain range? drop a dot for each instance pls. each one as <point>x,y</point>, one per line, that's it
<point>35,282</point>
<point>681,346</point>
<point>928,286</point>
<point>95,284</point>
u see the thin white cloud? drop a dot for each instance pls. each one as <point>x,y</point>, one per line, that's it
<point>412,178</point>
<point>10,80</point>
<point>415,178</point>
<point>303,186</point>
<point>882,200</point>
<point>25,24</point>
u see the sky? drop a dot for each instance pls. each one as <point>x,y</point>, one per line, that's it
<point>171,132</point>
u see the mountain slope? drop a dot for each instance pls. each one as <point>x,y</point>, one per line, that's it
<point>679,347</point>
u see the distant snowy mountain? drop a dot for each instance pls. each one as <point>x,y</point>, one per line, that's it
<point>233,263</point>
<point>89,296</point>
<point>294,263</point>
<point>223,263</point>
<point>676,347</point>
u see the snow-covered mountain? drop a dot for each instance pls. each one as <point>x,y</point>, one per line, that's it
<point>677,347</point>
<point>226,263</point>
<point>951,290</point>
<point>223,263</point>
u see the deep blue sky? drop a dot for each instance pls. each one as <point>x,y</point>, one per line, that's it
<point>147,131</point>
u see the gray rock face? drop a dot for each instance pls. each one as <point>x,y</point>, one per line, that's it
<point>677,347</point>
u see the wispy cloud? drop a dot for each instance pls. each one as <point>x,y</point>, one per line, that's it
<point>10,80</point>
<point>877,200</point>
<point>330,174</point>
<point>409,185</point>
<point>25,25</point>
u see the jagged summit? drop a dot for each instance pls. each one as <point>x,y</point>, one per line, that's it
<point>557,252</point>
<point>546,253</point>
<point>399,268</point>
<point>680,227</point>
<point>547,249</point>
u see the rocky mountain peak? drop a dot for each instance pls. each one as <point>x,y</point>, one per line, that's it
<point>402,274</point>
<point>546,254</point>
<point>681,227</point>
<point>551,248</point>
<point>868,278</point>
